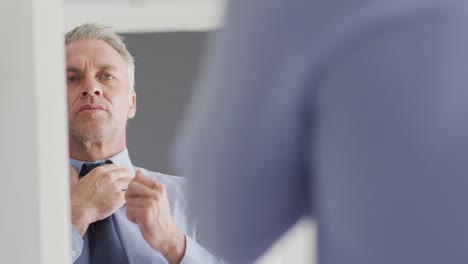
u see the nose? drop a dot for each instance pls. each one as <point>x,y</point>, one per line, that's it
<point>91,87</point>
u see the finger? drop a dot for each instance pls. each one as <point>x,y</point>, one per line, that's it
<point>139,173</point>
<point>139,189</point>
<point>108,168</point>
<point>138,215</point>
<point>74,178</point>
<point>150,182</point>
<point>123,183</point>
<point>132,213</point>
<point>111,172</point>
<point>135,189</point>
<point>138,202</point>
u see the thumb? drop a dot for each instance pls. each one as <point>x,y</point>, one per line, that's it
<point>139,174</point>
<point>73,176</point>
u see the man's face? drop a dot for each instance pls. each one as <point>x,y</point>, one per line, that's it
<point>100,99</point>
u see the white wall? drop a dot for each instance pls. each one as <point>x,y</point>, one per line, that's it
<point>132,16</point>
<point>33,158</point>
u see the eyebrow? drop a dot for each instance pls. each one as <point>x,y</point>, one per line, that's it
<point>72,69</point>
<point>107,67</point>
<point>104,67</point>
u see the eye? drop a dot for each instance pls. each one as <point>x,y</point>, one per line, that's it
<point>107,77</point>
<point>72,79</point>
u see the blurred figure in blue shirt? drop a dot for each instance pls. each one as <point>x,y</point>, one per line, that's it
<point>354,113</point>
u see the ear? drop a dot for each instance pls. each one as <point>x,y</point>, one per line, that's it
<point>132,108</point>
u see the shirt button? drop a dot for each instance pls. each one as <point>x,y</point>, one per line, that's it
<point>73,253</point>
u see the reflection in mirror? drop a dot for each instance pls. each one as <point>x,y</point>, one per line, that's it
<point>166,39</point>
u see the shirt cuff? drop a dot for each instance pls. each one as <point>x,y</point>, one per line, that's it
<point>195,253</point>
<point>77,244</point>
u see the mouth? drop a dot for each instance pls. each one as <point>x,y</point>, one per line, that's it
<point>91,108</point>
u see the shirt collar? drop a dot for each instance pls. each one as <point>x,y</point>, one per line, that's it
<point>121,158</point>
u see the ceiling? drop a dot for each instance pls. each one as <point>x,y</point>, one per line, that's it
<point>128,16</point>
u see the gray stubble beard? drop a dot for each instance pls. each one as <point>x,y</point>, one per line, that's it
<point>81,135</point>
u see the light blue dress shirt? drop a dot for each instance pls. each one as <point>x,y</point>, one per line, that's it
<point>136,248</point>
<point>353,112</point>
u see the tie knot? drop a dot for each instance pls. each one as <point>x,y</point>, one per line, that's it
<point>87,167</point>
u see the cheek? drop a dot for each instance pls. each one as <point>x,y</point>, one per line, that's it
<point>69,103</point>
<point>71,100</point>
<point>71,93</point>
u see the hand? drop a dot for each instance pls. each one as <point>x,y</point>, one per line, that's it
<point>97,195</point>
<point>148,207</point>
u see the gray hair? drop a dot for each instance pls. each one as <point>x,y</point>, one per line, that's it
<point>106,34</point>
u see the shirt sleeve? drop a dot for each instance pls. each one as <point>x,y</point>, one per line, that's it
<point>195,253</point>
<point>380,96</point>
<point>77,244</point>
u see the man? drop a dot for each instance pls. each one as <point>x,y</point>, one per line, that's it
<point>120,213</point>
<point>350,112</point>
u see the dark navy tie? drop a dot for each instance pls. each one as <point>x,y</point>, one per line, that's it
<point>103,241</point>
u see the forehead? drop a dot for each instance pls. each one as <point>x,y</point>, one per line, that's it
<point>86,52</point>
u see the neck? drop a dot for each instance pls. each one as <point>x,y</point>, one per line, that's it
<point>95,150</point>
